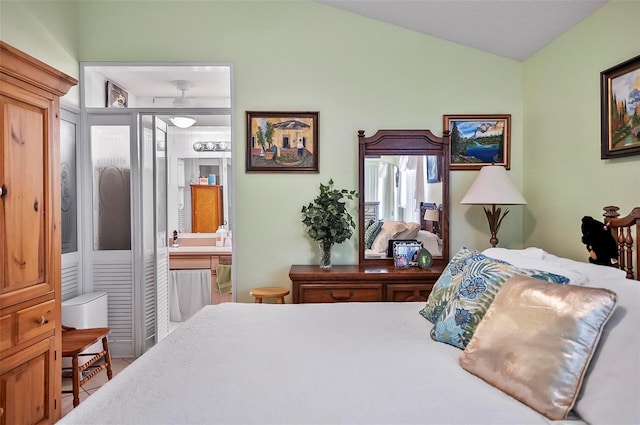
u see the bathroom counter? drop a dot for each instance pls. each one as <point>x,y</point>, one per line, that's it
<point>199,250</point>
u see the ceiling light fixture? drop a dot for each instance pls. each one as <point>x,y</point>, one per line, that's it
<point>183,121</point>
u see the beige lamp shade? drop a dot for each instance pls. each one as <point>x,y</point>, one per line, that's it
<point>432,215</point>
<point>493,186</point>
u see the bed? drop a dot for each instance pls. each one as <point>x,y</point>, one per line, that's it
<point>366,363</point>
<point>378,233</point>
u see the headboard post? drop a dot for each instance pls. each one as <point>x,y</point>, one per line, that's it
<point>623,230</point>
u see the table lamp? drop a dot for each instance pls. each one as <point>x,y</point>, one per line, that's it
<point>434,217</point>
<point>493,186</point>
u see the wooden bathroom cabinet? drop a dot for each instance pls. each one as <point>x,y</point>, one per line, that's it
<point>206,208</point>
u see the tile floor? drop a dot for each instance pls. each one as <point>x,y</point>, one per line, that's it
<point>117,365</point>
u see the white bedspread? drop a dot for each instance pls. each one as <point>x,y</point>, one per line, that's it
<point>352,363</point>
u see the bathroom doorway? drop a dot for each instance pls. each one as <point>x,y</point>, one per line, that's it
<point>133,120</point>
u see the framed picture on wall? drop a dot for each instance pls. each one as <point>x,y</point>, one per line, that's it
<point>620,109</point>
<point>283,142</point>
<point>479,140</point>
<point>117,97</point>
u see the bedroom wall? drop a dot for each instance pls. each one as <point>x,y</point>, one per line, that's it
<point>564,177</point>
<point>286,57</point>
<point>359,73</point>
<point>46,30</point>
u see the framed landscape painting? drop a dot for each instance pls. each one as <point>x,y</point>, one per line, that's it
<point>282,142</point>
<point>479,140</point>
<point>620,109</point>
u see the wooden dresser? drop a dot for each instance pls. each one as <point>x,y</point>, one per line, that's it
<point>311,284</point>
<point>30,329</point>
<point>206,208</point>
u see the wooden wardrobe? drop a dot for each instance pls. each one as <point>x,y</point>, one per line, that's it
<point>30,329</point>
<point>206,208</point>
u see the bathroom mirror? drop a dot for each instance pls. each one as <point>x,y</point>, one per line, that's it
<point>404,193</point>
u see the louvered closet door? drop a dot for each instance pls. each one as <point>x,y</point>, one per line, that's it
<point>111,259</point>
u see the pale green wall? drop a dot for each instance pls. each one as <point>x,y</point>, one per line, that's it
<point>359,73</point>
<point>46,30</point>
<point>564,177</point>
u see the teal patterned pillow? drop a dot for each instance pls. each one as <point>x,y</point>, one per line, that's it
<point>447,283</point>
<point>371,231</point>
<point>479,283</point>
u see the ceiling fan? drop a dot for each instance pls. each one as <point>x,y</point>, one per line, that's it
<point>183,86</point>
<point>183,121</point>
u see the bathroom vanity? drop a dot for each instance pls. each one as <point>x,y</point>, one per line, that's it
<point>199,251</point>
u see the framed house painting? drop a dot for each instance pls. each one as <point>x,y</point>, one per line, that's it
<point>117,97</point>
<point>282,142</point>
<point>620,109</point>
<point>479,140</point>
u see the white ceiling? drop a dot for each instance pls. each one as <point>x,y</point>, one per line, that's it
<point>515,29</point>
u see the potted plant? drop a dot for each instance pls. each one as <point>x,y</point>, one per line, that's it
<point>327,219</point>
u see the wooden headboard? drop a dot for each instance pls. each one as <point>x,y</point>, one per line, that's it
<point>623,230</point>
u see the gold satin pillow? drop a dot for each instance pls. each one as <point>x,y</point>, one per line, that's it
<point>536,341</point>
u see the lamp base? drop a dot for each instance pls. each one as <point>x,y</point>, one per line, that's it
<point>495,219</point>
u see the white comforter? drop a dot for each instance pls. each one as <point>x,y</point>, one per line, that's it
<point>354,363</point>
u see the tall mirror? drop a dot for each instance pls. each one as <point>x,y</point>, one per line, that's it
<point>404,193</point>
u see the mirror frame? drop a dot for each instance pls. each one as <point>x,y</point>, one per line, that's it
<point>403,142</point>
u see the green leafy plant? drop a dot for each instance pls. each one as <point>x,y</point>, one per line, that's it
<point>327,218</point>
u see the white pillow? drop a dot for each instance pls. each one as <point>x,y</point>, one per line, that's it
<point>390,230</point>
<point>594,272</point>
<point>410,232</point>
<point>611,389</point>
<point>536,258</point>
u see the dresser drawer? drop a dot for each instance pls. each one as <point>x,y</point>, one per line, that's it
<point>35,321</point>
<point>408,292</point>
<point>335,294</point>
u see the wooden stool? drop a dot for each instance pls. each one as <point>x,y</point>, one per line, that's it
<point>269,292</point>
<point>74,342</point>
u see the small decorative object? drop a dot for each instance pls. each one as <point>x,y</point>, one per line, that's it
<point>619,99</point>
<point>425,259</point>
<point>327,219</point>
<point>117,97</point>
<point>282,142</point>
<point>478,140</point>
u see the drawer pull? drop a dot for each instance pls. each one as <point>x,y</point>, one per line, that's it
<point>42,321</point>
<point>3,191</point>
<point>1,412</point>
<point>341,298</point>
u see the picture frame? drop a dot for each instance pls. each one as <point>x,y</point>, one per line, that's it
<point>279,142</point>
<point>405,254</point>
<point>116,96</point>
<point>478,140</point>
<point>619,103</point>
